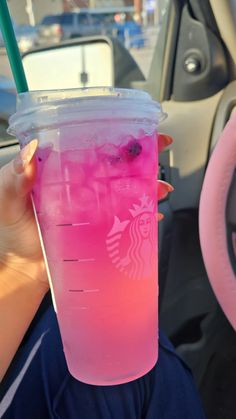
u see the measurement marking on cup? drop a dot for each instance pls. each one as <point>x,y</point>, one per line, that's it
<point>80,224</point>
<point>90,290</point>
<point>72,224</point>
<point>79,260</point>
<point>76,290</point>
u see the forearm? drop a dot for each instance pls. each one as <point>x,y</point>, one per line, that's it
<point>20,297</point>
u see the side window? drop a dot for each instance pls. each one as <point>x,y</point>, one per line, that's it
<point>95,19</point>
<point>82,19</point>
<point>150,40</point>
<point>66,19</point>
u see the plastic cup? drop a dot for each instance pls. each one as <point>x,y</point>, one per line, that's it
<point>95,201</point>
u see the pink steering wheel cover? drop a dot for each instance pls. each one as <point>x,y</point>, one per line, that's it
<point>212,220</point>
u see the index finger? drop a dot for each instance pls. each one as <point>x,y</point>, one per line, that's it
<point>16,182</point>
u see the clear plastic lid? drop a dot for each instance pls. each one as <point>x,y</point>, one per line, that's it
<point>37,98</point>
<point>44,109</point>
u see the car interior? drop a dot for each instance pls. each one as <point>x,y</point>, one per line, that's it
<point>193,76</point>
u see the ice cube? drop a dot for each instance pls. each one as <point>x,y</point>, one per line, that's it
<point>72,166</point>
<point>108,151</point>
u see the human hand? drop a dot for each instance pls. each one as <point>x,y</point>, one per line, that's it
<point>20,249</point>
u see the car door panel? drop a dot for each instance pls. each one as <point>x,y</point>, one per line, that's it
<point>189,152</point>
<point>227,105</point>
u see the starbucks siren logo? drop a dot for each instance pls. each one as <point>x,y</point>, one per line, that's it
<point>138,259</point>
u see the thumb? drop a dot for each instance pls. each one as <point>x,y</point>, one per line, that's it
<point>16,182</point>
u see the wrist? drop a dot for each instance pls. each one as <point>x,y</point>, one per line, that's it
<point>20,298</point>
<point>34,279</point>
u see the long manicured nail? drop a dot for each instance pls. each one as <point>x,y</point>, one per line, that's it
<point>164,141</point>
<point>167,139</point>
<point>25,156</point>
<point>160,216</point>
<point>165,185</point>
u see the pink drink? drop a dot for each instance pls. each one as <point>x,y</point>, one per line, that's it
<point>96,204</point>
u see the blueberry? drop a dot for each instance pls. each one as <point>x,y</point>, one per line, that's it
<point>132,150</point>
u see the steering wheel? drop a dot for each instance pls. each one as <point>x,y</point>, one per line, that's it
<point>217,220</point>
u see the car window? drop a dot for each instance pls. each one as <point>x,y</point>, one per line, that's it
<point>141,39</point>
<point>63,19</point>
<point>103,18</point>
<point>82,18</point>
<point>51,20</point>
<point>66,18</point>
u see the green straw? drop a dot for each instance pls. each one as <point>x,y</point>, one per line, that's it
<point>12,48</point>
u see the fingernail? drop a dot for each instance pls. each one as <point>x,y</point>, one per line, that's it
<point>25,156</point>
<point>160,216</point>
<point>170,188</point>
<point>163,142</point>
<point>166,185</point>
<point>168,139</point>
